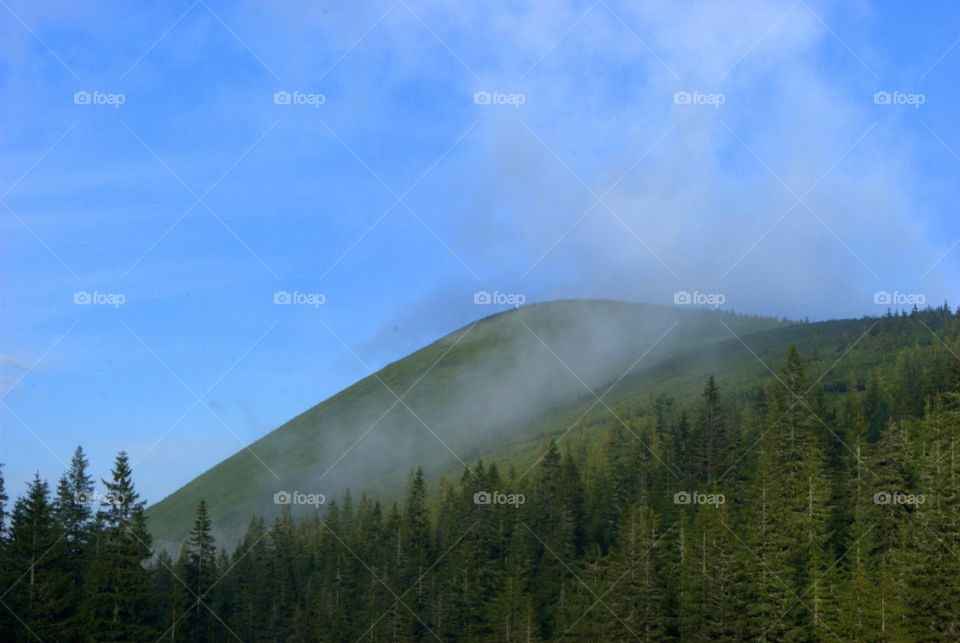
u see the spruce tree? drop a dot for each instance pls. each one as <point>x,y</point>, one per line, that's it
<point>198,572</point>
<point>40,592</point>
<point>249,576</point>
<point>282,583</point>
<point>712,443</point>
<point>118,599</point>
<point>932,530</point>
<point>74,512</point>
<point>3,510</point>
<point>416,556</point>
<point>6,573</point>
<point>799,500</point>
<point>639,596</point>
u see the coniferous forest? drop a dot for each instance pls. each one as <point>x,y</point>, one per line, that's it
<point>794,511</point>
<point>516,321</point>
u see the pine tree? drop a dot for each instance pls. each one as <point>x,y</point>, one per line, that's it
<point>73,509</point>
<point>249,576</point>
<point>510,608</point>
<point>39,595</point>
<point>416,556</point>
<point>282,583</point>
<point>168,592</point>
<point>932,530</point>
<point>198,572</point>
<point>118,599</point>
<point>799,500</point>
<point>7,620</point>
<point>555,523</point>
<point>876,407</point>
<point>770,594</point>
<point>372,549</point>
<point>712,442</point>
<point>3,510</point>
<point>640,594</point>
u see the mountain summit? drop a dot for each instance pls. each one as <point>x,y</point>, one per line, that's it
<point>496,386</point>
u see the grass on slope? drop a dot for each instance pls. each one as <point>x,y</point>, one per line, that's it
<point>504,380</point>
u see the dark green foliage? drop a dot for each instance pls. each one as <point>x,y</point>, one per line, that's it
<point>38,592</point>
<point>3,509</point>
<point>118,602</point>
<point>74,513</point>
<point>840,519</point>
<point>196,571</point>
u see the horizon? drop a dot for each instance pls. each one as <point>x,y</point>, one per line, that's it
<point>174,170</point>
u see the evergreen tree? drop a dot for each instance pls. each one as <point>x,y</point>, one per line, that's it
<point>38,595</point>
<point>932,530</point>
<point>812,543</point>
<point>249,576</point>
<point>74,513</point>
<point>3,510</point>
<point>712,443</point>
<point>7,622</point>
<point>197,570</point>
<point>876,407</point>
<point>415,556</point>
<point>799,501</point>
<point>640,594</point>
<point>555,525</point>
<point>118,599</point>
<point>511,608</point>
<point>283,587</point>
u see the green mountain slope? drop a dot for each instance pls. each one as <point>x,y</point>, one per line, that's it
<point>497,387</point>
<point>493,386</point>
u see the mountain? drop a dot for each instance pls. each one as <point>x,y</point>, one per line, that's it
<point>495,389</point>
<point>491,386</point>
<point>593,470</point>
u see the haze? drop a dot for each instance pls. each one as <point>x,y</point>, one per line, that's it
<point>628,151</point>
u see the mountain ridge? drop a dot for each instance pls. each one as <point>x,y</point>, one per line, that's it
<point>561,353</point>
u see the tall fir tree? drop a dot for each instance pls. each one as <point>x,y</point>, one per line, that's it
<point>415,556</point>
<point>74,512</point>
<point>39,593</point>
<point>197,570</point>
<point>118,599</point>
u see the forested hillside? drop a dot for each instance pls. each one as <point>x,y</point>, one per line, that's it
<point>488,389</point>
<point>818,501</point>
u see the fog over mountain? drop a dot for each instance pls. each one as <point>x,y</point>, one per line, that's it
<point>629,151</point>
<point>482,321</point>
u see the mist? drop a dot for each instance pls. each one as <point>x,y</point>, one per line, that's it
<point>471,394</point>
<point>787,189</point>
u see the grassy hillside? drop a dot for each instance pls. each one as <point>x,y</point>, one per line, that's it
<point>492,387</point>
<point>813,501</point>
<point>686,465</point>
<point>499,387</point>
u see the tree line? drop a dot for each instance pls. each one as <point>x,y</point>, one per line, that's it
<point>792,510</point>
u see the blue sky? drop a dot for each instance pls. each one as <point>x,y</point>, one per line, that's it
<point>385,188</point>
